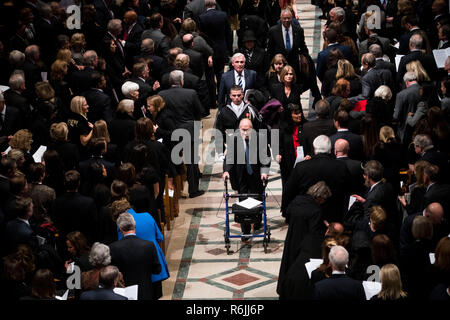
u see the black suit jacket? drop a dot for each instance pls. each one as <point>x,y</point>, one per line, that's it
<point>14,99</point>
<point>101,294</point>
<point>132,44</point>
<point>277,92</point>
<point>227,81</point>
<point>99,105</point>
<point>438,192</point>
<point>195,62</point>
<point>313,129</point>
<point>137,259</point>
<point>383,195</point>
<point>339,287</point>
<point>75,212</point>
<point>12,121</point>
<point>427,61</point>
<point>18,232</point>
<point>356,174</point>
<point>356,146</point>
<point>81,80</point>
<point>161,41</point>
<point>184,103</point>
<point>216,26</point>
<point>321,167</point>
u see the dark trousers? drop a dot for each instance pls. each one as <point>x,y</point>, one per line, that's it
<point>250,184</point>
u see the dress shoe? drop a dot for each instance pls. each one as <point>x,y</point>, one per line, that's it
<point>256,226</point>
<point>196,194</point>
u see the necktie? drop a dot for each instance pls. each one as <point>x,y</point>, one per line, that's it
<point>288,41</point>
<point>247,158</point>
<point>125,35</point>
<point>240,81</point>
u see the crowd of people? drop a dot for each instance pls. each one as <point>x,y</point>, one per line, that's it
<point>364,174</point>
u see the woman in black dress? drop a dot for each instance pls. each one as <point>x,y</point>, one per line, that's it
<point>290,139</point>
<point>288,91</point>
<point>273,75</point>
<point>80,129</point>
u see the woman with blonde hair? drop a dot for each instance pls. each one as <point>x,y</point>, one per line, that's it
<point>164,119</point>
<point>277,64</point>
<point>346,71</point>
<point>78,47</point>
<point>80,129</point>
<point>67,151</point>
<point>100,130</point>
<point>391,284</point>
<point>22,140</point>
<point>58,73</point>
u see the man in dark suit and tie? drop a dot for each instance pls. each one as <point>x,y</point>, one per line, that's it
<point>254,56</point>
<point>195,57</point>
<point>322,125</point>
<point>341,123</point>
<point>287,39</point>
<point>131,36</point>
<point>136,258</point>
<point>99,102</point>
<point>216,26</point>
<point>246,176</point>
<point>141,76</point>
<point>18,231</point>
<point>411,24</point>
<point>187,106</point>
<point>341,149</point>
<point>108,279</point>
<point>239,75</point>
<point>339,286</point>
<point>15,97</point>
<point>320,167</point>
<point>372,79</point>
<point>160,40</point>
<point>322,57</point>
<point>380,193</point>
<point>415,53</point>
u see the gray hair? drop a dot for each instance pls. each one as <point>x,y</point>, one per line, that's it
<point>320,190</point>
<point>114,25</point>
<point>383,92</point>
<point>129,86</point>
<point>107,276</point>
<point>125,106</point>
<point>376,50</point>
<point>338,257</point>
<point>147,45</point>
<point>410,76</point>
<point>126,222</point>
<point>99,255</point>
<point>32,52</point>
<point>176,78</point>
<point>322,144</point>
<point>16,57</point>
<point>237,55</point>
<point>16,81</point>
<point>338,11</point>
<point>373,169</point>
<point>89,57</point>
<point>423,141</point>
<point>416,41</point>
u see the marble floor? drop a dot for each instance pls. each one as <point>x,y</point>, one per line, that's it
<point>200,268</point>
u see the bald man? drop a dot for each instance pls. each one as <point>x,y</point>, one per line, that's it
<point>196,59</point>
<point>435,212</point>
<point>341,149</point>
<point>131,38</point>
<point>246,175</point>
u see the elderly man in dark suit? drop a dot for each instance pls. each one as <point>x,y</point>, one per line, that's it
<point>108,279</point>
<point>15,96</point>
<point>356,145</point>
<point>287,39</point>
<point>136,258</point>
<point>216,26</point>
<point>341,150</point>
<point>239,75</point>
<point>339,286</point>
<point>141,76</point>
<point>80,80</point>
<point>372,79</point>
<point>406,103</point>
<point>380,63</point>
<point>195,57</point>
<point>320,167</point>
<point>322,125</point>
<point>185,103</point>
<point>415,53</point>
<point>246,176</point>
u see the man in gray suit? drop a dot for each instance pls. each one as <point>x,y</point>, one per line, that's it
<point>406,103</point>
<point>160,40</point>
<point>372,78</point>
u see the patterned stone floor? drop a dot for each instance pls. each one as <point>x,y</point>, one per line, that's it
<point>199,266</point>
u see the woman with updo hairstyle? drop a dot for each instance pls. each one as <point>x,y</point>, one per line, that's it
<point>78,47</point>
<point>17,156</point>
<point>387,152</point>
<point>100,130</point>
<point>121,127</point>
<point>68,151</point>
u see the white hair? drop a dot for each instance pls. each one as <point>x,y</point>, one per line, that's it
<point>129,86</point>
<point>410,76</point>
<point>338,257</point>
<point>99,255</point>
<point>237,55</point>
<point>383,92</point>
<point>322,144</point>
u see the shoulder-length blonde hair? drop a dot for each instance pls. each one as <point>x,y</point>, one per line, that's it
<point>157,101</point>
<point>22,140</point>
<point>345,69</point>
<point>76,105</point>
<point>100,130</point>
<point>417,67</point>
<point>391,283</point>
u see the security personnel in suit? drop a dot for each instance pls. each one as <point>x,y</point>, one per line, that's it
<point>246,176</point>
